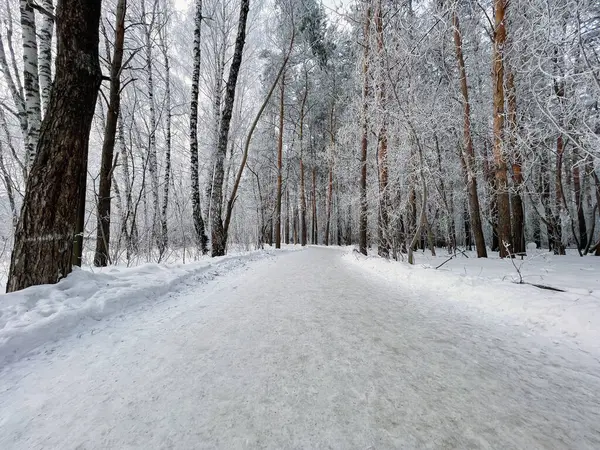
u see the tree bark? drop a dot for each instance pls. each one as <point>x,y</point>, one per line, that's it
<point>164,232</point>
<point>362,228</point>
<point>468,150</point>
<point>45,47</point>
<point>101,257</point>
<point>518,222</point>
<point>503,201</point>
<point>31,83</point>
<point>200,234</point>
<point>219,238</point>
<point>383,247</point>
<point>44,235</point>
<point>279,166</point>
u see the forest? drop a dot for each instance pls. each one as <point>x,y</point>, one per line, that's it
<point>134,130</point>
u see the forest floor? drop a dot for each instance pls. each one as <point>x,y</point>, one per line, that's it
<point>311,349</point>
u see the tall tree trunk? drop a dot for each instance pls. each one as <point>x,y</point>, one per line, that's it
<point>468,150</point>
<point>45,47</point>
<point>315,225</point>
<point>583,238</point>
<point>200,234</point>
<point>362,228</point>
<point>518,223</point>
<point>101,257</point>
<point>44,235</point>
<point>383,247</point>
<point>303,221</point>
<point>219,238</point>
<point>31,82</point>
<point>152,158</point>
<point>164,232</point>
<point>279,166</point>
<point>504,225</point>
<point>329,204</point>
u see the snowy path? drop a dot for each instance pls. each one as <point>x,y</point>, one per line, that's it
<point>302,351</point>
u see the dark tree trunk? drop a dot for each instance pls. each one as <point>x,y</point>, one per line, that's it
<point>200,233</point>
<point>362,227</point>
<point>518,214</point>
<point>469,153</point>
<point>279,166</point>
<point>504,218</point>
<point>43,246</point>
<point>101,257</point>
<point>218,235</point>
<point>583,238</point>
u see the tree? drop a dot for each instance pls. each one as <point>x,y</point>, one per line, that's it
<point>200,234</point>
<point>102,257</point>
<point>504,225</point>
<point>218,237</point>
<point>468,152</point>
<point>44,235</point>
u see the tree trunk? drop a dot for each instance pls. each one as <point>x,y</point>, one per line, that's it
<point>469,151</point>
<point>45,47</point>
<point>504,225</point>
<point>383,245</point>
<point>583,238</point>
<point>279,166</point>
<point>31,83</point>
<point>303,221</point>
<point>219,238</point>
<point>152,158</point>
<point>200,234</point>
<point>164,232</point>
<point>362,227</point>
<point>44,236</point>
<point>518,222</point>
<point>101,257</point>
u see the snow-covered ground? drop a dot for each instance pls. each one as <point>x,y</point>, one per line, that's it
<point>489,285</point>
<point>33,316</point>
<point>302,350</point>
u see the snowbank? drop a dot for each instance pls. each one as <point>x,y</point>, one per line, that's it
<point>488,285</point>
<point>39,314</point>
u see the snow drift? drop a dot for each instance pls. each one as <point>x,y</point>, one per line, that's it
<point>40,314</point>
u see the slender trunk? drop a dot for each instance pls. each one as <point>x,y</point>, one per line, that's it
<point>315,225</point>
<point>200,234</point>
<point>219,238</point>
<point>42,251</point>
<point>518,222</point>
<point>504,222</point>
<point>152,158</point>
<point>362,228</point>
<point>31,82</point>
<point>329,204</point>
<point>383,247</point>
<point>279,166</point>
<point>101,257</point>
<point>303,222</point>
<point>164,232</point>
<point>45,47</point>
<point>468,150</point>
<point>583,238</point>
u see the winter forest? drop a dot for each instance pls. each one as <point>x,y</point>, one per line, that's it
<point>218,124</point>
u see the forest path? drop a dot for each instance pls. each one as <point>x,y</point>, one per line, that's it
<point>302,351</point>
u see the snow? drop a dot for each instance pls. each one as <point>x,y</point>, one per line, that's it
<point>35,315</point>
<point>303,350</point>
<point>489,286</point>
